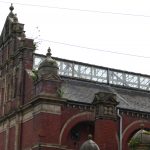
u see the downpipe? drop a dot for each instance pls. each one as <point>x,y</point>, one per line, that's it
<point>120,129</point>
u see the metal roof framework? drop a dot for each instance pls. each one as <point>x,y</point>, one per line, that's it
<point>98,74</point>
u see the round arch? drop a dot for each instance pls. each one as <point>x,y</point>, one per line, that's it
<point>131,129</point>
<point>71,122</point>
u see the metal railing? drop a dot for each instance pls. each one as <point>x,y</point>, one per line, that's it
<point>98,74</point>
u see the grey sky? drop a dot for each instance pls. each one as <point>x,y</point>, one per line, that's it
<point>121,26</point>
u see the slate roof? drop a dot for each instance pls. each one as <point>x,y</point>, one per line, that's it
<point>84,91</point>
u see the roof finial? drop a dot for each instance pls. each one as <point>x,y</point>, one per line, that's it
<point>11,8</point>
<point>90,136</point>
<point>49,52</point>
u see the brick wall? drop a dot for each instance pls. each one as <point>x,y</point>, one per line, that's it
<point>105,134</point>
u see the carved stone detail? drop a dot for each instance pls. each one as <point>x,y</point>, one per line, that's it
<point>105,105</point>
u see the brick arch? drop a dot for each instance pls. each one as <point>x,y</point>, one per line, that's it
<point>131,129</point>
<point>74,120</point>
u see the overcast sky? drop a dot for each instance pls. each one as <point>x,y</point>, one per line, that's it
<point>102,32</point>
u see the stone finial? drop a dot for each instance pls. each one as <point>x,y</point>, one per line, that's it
<point>49,52</point>
<point>11,8</point>
<point>89,144</point>
<point>90,137</point>
<point>48,68</point>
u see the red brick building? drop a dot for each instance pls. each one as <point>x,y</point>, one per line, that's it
<point>57,103</point>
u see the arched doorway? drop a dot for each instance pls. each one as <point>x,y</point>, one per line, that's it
<point>140,140</point>
<point>79,133</point>
<point>132,130</point>
<point>81,122</point>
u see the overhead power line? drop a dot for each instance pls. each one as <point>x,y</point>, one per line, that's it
<point>95,49</point>
<point>76,9</point>
<point>84,10</point>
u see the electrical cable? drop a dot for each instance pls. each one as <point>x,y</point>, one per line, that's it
<point>81,10</point>
<point>95,49</point>
<point>93,11</point>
